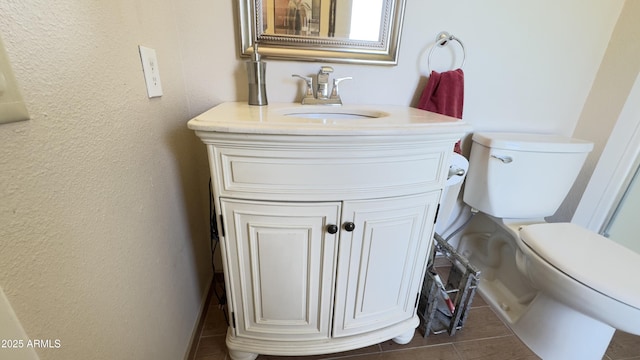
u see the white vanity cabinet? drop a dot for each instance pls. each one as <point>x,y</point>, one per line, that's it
<point>326,225</point>
<point>294,259</point>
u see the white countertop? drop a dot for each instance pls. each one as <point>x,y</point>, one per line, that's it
<point>238,117</point>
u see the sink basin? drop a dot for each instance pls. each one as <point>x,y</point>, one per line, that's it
<point>336,114</point>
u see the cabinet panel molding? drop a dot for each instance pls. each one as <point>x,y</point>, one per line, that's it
<point>256,172</point>
<point>382,261</point>
<point>283,265</point>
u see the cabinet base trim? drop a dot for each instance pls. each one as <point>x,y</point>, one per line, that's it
<point>316,347</point>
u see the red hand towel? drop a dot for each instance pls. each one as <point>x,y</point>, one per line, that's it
<point>444,94</point>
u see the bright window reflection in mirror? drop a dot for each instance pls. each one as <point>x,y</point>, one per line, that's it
<point>365,20</point>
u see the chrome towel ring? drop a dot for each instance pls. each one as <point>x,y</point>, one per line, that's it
<point>441,40</point>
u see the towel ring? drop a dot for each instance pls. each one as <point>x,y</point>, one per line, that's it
<point>441,40</point>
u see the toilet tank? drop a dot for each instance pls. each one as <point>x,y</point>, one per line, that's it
<point>516,175</point>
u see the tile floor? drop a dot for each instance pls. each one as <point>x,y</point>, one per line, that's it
<point>484,337</point>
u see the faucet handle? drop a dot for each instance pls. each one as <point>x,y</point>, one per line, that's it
<point>335,94</point>
<point>308,93</point>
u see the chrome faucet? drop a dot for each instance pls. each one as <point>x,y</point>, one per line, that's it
<point>321,96</point>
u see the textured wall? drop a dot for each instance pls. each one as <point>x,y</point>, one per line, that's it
<point>103,193</point>
<point>102,223</point>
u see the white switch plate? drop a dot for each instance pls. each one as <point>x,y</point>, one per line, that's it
<point>12,108</point>
<point>150,70</point>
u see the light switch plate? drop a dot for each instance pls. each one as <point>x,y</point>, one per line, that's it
<point>151,71</point>
<point>12,108</point>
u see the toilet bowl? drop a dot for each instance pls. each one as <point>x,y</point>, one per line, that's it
<point>561,288</point>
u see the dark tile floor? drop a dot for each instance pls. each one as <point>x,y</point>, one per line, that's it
<point>483,337</point>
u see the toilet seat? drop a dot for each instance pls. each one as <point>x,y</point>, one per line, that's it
<point>593,260</point>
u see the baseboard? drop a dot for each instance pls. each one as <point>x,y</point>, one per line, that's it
<point>197,331</point>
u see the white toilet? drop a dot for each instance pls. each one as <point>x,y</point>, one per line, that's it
<point>450,205</point>
<point>561,288</point>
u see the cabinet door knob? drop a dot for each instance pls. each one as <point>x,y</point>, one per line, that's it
<point>332,229</point>
<point>349,226</point>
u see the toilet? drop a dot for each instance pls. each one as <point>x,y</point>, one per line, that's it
<point>562,289</point>
<point>450,206</point>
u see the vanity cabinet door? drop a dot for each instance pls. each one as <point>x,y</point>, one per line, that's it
<point>381,261</point>
<point>281,265</point>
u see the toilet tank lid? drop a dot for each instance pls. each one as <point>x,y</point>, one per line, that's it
<point>532,142</point>
<point>595,261</point>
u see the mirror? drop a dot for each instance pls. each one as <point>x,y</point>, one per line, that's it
<point>348,31</point>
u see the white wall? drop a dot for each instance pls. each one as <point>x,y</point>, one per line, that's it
<point>603,107</point>
<point>103,228</point>
<point>529,64</point>
<point>103,193</point>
